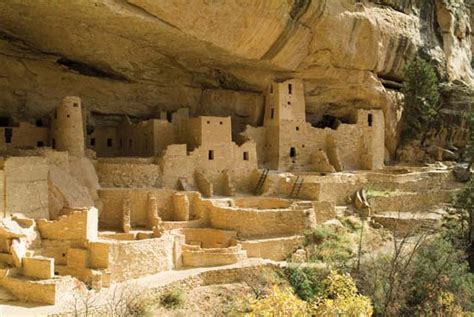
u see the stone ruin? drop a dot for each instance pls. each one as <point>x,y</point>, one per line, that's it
<point>114,203</point>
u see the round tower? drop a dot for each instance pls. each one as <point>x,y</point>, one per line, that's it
<point>68,134</point>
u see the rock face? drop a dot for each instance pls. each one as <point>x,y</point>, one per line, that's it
<point>138,57</point>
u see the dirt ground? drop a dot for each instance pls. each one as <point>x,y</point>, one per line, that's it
<point>211,300</point>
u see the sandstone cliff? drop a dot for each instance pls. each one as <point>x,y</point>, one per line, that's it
<point>215,57</point>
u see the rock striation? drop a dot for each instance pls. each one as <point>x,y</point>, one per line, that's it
<point>140,57</point>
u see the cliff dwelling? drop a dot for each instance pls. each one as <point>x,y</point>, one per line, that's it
<point>221,154</point>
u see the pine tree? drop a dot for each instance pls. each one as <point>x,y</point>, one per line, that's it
<point>421,99</point>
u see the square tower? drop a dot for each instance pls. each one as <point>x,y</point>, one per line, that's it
<point>284,101</point>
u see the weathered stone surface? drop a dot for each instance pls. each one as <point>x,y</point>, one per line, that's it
<point>142,56</point>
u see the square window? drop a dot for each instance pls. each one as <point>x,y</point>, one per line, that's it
<point>92,142</point>
<point>246,156</point>
<point>211,155</point>
<point>40,144</point>
<point>109,142</point>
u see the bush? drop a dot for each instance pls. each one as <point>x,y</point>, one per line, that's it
<point>420,276</point>
<point>340,298</point>
<point>329,246</point>
<point>280,302</point>
<point>441,271</point>
<point>421,99</point>
<point>173,299</point>
<point>459,224</point>
<point>306,281</point>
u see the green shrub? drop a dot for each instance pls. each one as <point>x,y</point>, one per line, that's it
<point>328,245</point>
<point>439,269</point>
<point>306,281</point>
<point>173,298</point>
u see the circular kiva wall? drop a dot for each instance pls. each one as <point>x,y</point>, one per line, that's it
<point>210,247</point>
<point>251,223</point>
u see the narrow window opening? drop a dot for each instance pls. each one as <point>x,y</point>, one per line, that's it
<point>290,88</point>
<point>39,123</point>
<point>169,116</point>
<point>75,105</point>
<point>289,102</point>
<point>40,144</point>
<point>68,116</point>
<point>8,135</point>
<point>109,142</point>
<point>272,113</point>
<point>92,143</point>
<point>292,152</point>
<point>369,119</point>
<point>211,155</point>
<point>271,89</point>
<point>53,143</point>
<point>246,156</point>
<point>130,143</point>
<point>208,122</point>
<point>297,128</point>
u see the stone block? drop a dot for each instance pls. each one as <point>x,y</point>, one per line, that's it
<point>78,258</point>
<point>39,267</point>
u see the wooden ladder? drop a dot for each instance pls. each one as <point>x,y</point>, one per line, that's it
<point>298,184</point>
<point>261,182</point>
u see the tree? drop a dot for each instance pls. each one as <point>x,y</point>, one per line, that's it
<point>465,207</point>
<point>470,144</point>
<point>421,100</point>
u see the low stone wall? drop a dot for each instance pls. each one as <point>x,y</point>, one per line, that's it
<point>254,223</point>
<point>208,238</point>
<point>194,256</point>
<point>410,201</point>
<point>276,249</point>
<point>112,200</point>
<point>171,225</point>
<point>50,292</point>
<point>132,259</point>
<point>259,202</point>
<point>128,172</point>
<point>79,224</point>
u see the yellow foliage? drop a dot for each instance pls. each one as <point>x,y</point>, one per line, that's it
<point>443,305</point>
<point>340,298</point>
<point>281,302</point>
